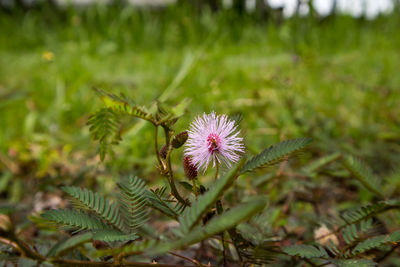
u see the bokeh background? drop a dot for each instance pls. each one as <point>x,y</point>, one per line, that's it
<point>324,69</point>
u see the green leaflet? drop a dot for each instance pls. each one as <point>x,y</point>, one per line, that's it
<point>192,215</point>
<point>363,174</point>
<point>87,200</point>
<point>124,105</point>
<point>358,214</point>
<point>216,225</point>
<point>129,249</point>
<point>133,203</point>
<point>319,163</point>
<point>159,201</point>
<point>375,242</point>
<point>113,236</point>
<point>305,251</point>
<point>105,128</point>
<point>69,243</point>
<point>75,219</point>
<point>275,154</point>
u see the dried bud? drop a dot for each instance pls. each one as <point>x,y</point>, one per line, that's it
<point>189,168</point>
<point>180,139</point>
<point>163,152</point>
<point>5,223</point>
<point>323,235</point>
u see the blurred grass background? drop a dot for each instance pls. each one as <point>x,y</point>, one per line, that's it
<point>335,79</point>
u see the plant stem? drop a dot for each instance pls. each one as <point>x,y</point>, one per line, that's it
<point>186,258</point>
<point>156,148</point>
<point>220,210</point>
<point>216,171</point>
<point>169,171</point>
<point>195,188</point>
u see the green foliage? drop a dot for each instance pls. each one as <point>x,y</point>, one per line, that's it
<point>358,214</point>
<point>133,203</point>
<point>108,222</point>
<point>319,163</point>
<point>69,243</point>
<point>43,104</point>
<point>363,174</point>
<point>136,247</point>
<point>306,251</point>
<point>194,214</point>
<point>75,219</point>
<point>113,236</point>
<point>376,242</point>
<point>93,202</point>
<point>351,233</point>
<point>157,199</point>
<point>124,105</point>
<point>104,126</point>
<point>275,154</point>
<point>218,224</point>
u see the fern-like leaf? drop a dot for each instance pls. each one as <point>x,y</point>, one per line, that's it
<point>275,154</point>
<point>193,214</point>
<point>133,203</point>
<point>167,206</point>
<point>363,174</point>
<point>216,225</point>
<point>124,105</point>
<point>129,249</point>
<point>113,236</point>
<point>74,219</point>
<point>262,254</point>
<point>376,242</point>
<point>104,127</point>
<point>370,243</point>
<point>305,251</point>
<point>358,214</point>
<point>87,200</point>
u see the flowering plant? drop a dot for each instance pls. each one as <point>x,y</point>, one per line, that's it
<point>118,233</point>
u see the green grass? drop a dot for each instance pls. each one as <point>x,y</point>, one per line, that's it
<point>336,80</point>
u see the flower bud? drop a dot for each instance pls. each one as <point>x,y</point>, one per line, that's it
<point>189,168</point>
<point>163,152</point>
<point>180,139</point>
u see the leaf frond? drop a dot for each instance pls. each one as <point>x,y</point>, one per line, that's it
<point>363,174</point>
<point>158,200</point>
<point>133,203</point>
<point>75,219</point>
<point>275,154</point>
<point>87,200</point>
<point>113,236</point>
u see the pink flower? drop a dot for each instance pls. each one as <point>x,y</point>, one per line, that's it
<point>213,138</point>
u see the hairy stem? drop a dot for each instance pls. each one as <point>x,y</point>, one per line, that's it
<point>195,188</point>
<point>169,171</point>
<point>156,148</point>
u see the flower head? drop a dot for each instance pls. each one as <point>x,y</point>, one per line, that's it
<point>213,138</point>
